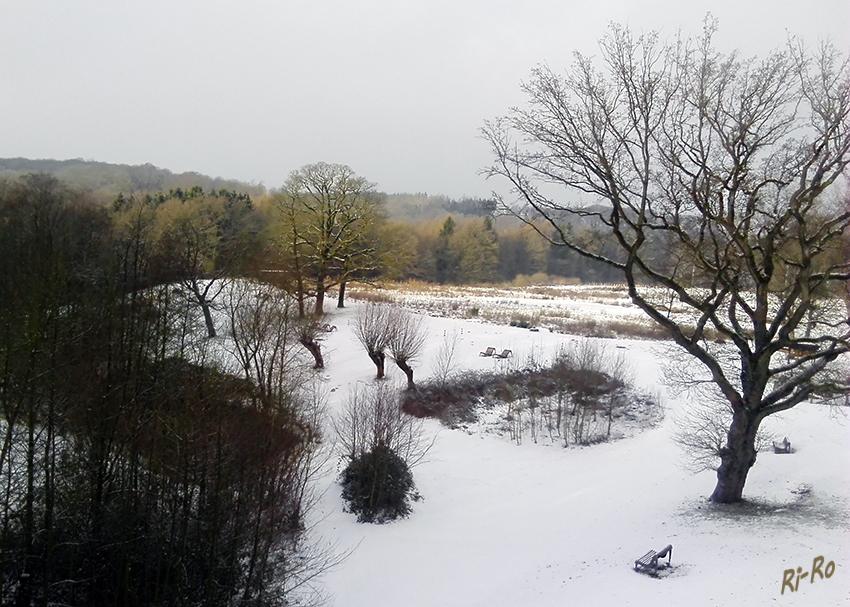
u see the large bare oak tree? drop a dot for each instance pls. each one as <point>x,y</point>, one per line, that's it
<point>722,181</point>
<point>328,216</point>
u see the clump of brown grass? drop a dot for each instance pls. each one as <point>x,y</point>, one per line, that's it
<point>371,294</point>
<point>638,330</point>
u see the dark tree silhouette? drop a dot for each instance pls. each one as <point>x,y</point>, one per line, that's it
<point>732,164</point>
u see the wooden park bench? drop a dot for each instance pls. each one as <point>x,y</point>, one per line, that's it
<point>782,446</point>
<point>504,354</point>
<point>488,352</point>
<point>328,328</point>
<point>649,561</point>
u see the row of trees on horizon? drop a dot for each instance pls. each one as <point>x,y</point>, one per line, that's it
<point>328,227</point>
<point>407,236</point>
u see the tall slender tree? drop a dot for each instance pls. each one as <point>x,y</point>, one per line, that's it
<point>445,260</point>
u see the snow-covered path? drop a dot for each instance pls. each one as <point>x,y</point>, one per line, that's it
<point>533,525</point>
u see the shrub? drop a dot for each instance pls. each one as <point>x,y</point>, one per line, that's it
<point>378,485</point>
<point>525,322</point>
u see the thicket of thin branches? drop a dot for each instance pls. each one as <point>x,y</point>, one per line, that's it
<point>134,469</point>
<point>574,400</point>
<point>379,444</point>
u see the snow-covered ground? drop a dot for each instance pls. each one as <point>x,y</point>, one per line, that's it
<point>502,524</point>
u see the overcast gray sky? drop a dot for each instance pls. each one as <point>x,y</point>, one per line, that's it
<point>254,89</point>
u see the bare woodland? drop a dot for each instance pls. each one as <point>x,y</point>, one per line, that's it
<point>133,469</point>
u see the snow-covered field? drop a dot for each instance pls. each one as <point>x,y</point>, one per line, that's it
<point>502,524</point>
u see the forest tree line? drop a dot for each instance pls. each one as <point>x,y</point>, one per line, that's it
<point>431,238</point>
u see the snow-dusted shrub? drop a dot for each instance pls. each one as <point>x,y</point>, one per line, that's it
<point>583,397</point>
<point>378,486</point>
<point>380,443</point>
<point>452,400</point>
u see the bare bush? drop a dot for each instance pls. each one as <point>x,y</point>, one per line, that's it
<point>371,416</point>
<point>444,365</point>
<point>380,443</point>
<point>583,397</point>
<point>701,432</point>
<point>593,377</point>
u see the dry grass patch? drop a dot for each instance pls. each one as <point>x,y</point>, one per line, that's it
<point>508,305</point>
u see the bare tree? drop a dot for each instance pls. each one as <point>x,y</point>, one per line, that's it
<point>263,337</point>
<point>371,327</point>
<point>726,163</point>
<point>406,338</point>
<point>446,360</point>
<point>310,332</point>
<point>327,217</point>
<point>383,329</point>
<point>189,250</point>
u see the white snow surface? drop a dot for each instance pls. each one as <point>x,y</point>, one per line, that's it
<point>502,524</point>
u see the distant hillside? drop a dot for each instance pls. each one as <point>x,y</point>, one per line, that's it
<point>422,207</point>
<point>103,178</point>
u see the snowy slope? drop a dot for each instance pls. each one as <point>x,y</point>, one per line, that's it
<point>532,525</point>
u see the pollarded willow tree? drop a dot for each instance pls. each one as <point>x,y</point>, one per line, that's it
<point>735,167</point>
<point>383,329</point>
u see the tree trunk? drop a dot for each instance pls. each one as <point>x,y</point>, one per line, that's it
<point>341,300</point>
<point>407,371</point>
<point>316,350</point>
<point>378,358</point>
<point>208,319</point>
<point>736,459</point>
<point>299,295</point>
<point>201,298</point>
<point>320,296</point>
